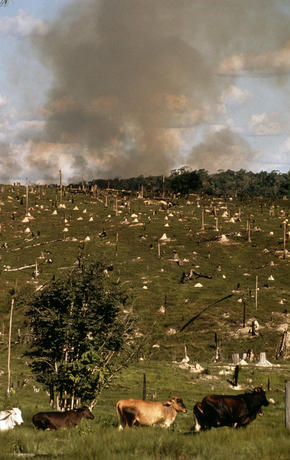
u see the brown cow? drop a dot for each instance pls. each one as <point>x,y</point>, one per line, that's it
<point>147,413</point>
<point>56,420</point>
<point>234,411</point>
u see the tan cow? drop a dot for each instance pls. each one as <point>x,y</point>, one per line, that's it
<point>147,413</point>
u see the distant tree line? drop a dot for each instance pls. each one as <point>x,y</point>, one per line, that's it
<point>183,181</point>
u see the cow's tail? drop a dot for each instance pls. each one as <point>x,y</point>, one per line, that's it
<point>120,419</point>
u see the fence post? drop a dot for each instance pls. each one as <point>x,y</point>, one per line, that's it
<point>244,313</point>
<point>9,348</point>
<point>287,404</point>
<point>144,387</point>
<point>236,375</point>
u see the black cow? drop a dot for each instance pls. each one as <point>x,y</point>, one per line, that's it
<point>55,420</point>
<point>234,411</point>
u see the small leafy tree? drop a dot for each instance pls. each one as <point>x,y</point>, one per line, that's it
<point>80,339</point>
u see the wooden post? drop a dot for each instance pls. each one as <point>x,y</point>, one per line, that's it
<point>158,250</point>
<point>287,404</point>
<point>60,185</point>
<point>283,346</point>
<point>244,313</point>
<point>268,384</point>
<point>185,352</point>
<point>144,388</point>
<point>9,349</point>
<point>253,329</point>
<point>116,247</point>
<point>249,232</point>
<point>236,375</point>
<point>163,187</point>
<point>216,224</point>
<point>215,339</point>
<point>284,240</point>
<point>26,202</point>
<point>256,293</point>
<point>36,269</point>
<point>202,220</point>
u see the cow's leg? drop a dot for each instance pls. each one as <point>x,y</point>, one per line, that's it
<point>199,418</point>
<point>131,417</point>
<point>122,423</point>
<point>42,423</point>
<point>166,424</point>
<point>51,426</point>
<point>127,420</point>
<point>197,425</point>
<point>120,419</point>
<point>244,422</point>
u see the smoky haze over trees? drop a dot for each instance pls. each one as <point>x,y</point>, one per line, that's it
<point>130,76</point>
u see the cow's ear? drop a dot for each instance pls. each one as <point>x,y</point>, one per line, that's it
<point>167,403</point>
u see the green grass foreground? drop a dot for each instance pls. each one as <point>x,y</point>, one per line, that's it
<point>264,438</point>
<point>96,442</point>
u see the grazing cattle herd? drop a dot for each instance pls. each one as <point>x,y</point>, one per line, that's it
<point>213,411</point>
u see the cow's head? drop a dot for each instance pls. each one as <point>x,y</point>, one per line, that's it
<point>177,404</point>
<point>262,396</point>
<point>17,416</point>
<point>86,412</point>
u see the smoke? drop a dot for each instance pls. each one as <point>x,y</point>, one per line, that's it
<point>221,150</point>
<point>127,73</point>
<point>9,166</point>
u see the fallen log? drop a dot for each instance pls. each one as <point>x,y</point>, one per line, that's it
<point>17,269</point>
<point>203,310</point>
<point>189,276</point>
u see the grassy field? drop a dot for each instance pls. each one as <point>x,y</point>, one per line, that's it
<point>132,249</point>
<point>266,437</point>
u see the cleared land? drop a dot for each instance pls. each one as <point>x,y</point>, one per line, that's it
<point>128,238</point>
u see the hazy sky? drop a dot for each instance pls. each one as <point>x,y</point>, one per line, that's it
<point>116,88</point>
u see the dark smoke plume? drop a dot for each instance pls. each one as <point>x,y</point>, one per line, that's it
<point>128,73</point>
<point>221,150</point>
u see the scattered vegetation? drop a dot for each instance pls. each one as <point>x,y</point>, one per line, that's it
<point>79,338</point>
